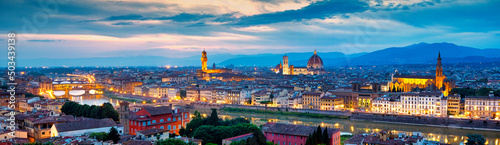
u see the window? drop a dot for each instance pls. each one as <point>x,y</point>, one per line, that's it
<point>174,127</point>
<point>169,127</point>
<point>43,133</point>
<point>179,126</point>
<point>174,118</point>
<point>143,124</point>
<point>168,119</point>
<point>186,115</point>
<point>149,122</point>
<point>179,118</point>
<point>161,127</point>
<point>154,121</point>
<point>161,120</point>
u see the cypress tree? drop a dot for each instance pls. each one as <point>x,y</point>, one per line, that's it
<point>326,137</point>
<point>319,135</point>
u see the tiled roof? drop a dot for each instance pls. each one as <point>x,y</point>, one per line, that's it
<point>157,110</point>
<point>152,131</point>
<point>299,130</point>
<point>240,137</point>
<point>138,142</point>
<point>87,123</point>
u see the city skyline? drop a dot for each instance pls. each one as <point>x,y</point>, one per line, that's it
<point>86,29</point>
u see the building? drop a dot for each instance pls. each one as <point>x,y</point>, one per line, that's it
<point>289,134</point>
<point>385,137</point>
<point>407,83</point>
<point>129,86</point>
<point>332,102</point>
<point>312,100</point>
<point>163,117</point>
<point>40,128</point>
<point>152,134</point>
<point>454,105</point>
<point>83,127</point>
<point>424,103</point>
<point>314,67</point>
<point>5,97</point>
<point>387,105</point>
<point>482,106</point>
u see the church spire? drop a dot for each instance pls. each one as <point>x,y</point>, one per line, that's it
<point>315,52</point>
<point>439,54</point>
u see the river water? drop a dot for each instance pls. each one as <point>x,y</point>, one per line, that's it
<point>442,134</point>
<point>453,136</point>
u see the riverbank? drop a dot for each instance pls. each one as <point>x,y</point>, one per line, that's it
<point>112,96</point>
<point>229,109</point>
<point>448,135</point>
<point>490,125</point>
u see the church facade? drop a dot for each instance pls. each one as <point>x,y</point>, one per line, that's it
<point>407,83</point>
<point>314,67</point>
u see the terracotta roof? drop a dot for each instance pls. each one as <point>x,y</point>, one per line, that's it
<point>87,123</point>
<point>157,110</point>
<point>138,142</point>
<point>152,131</point>
<point>299,130</point>
<point>240,137</point>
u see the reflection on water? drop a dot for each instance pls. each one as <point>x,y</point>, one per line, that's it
<point>93,100</point>
<point>444,135</point>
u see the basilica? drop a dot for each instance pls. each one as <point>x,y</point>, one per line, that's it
<point>314,67</point>
<point>407,83</point>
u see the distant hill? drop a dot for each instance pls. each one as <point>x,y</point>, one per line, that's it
<point>424,53</point>
<point>421,53</point>
<point>297,59</point>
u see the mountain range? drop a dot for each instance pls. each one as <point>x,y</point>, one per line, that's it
<point>421,53</point>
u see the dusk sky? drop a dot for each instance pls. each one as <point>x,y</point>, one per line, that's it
<point>181,28</point>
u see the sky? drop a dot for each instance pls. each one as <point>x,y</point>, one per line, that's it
<point>182,28</point>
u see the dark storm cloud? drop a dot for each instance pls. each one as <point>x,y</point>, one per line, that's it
<point>321,9</point>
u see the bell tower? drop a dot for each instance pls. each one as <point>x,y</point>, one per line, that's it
<point>286,69</point>
<point>204,60</point>
<point>124,113</point>
<point>439,72</point>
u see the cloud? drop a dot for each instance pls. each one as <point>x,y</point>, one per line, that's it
<point>123,23</point>
<point>45,40</point>
<point>321,9</point>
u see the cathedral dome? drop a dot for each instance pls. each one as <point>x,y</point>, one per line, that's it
<point>315,62</point>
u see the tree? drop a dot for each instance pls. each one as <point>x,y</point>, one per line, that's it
<point>113,135</point>
<point>319,135</point>
<point>326,137</point>
<point>214,118</point>
<point>475,139</point>
<point>483,92</point>
<point>257,139</point>
<point>100,136</point>
<point>172,142</point>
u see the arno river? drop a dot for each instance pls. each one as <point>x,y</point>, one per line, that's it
<point>441,134</point>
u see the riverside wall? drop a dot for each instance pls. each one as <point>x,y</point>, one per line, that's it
<point>493,125</point>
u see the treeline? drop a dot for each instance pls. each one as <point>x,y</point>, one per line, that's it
<point>474,92</point>
<point>98,112</point>
<point>318,137</point>
<point>212,129</point>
